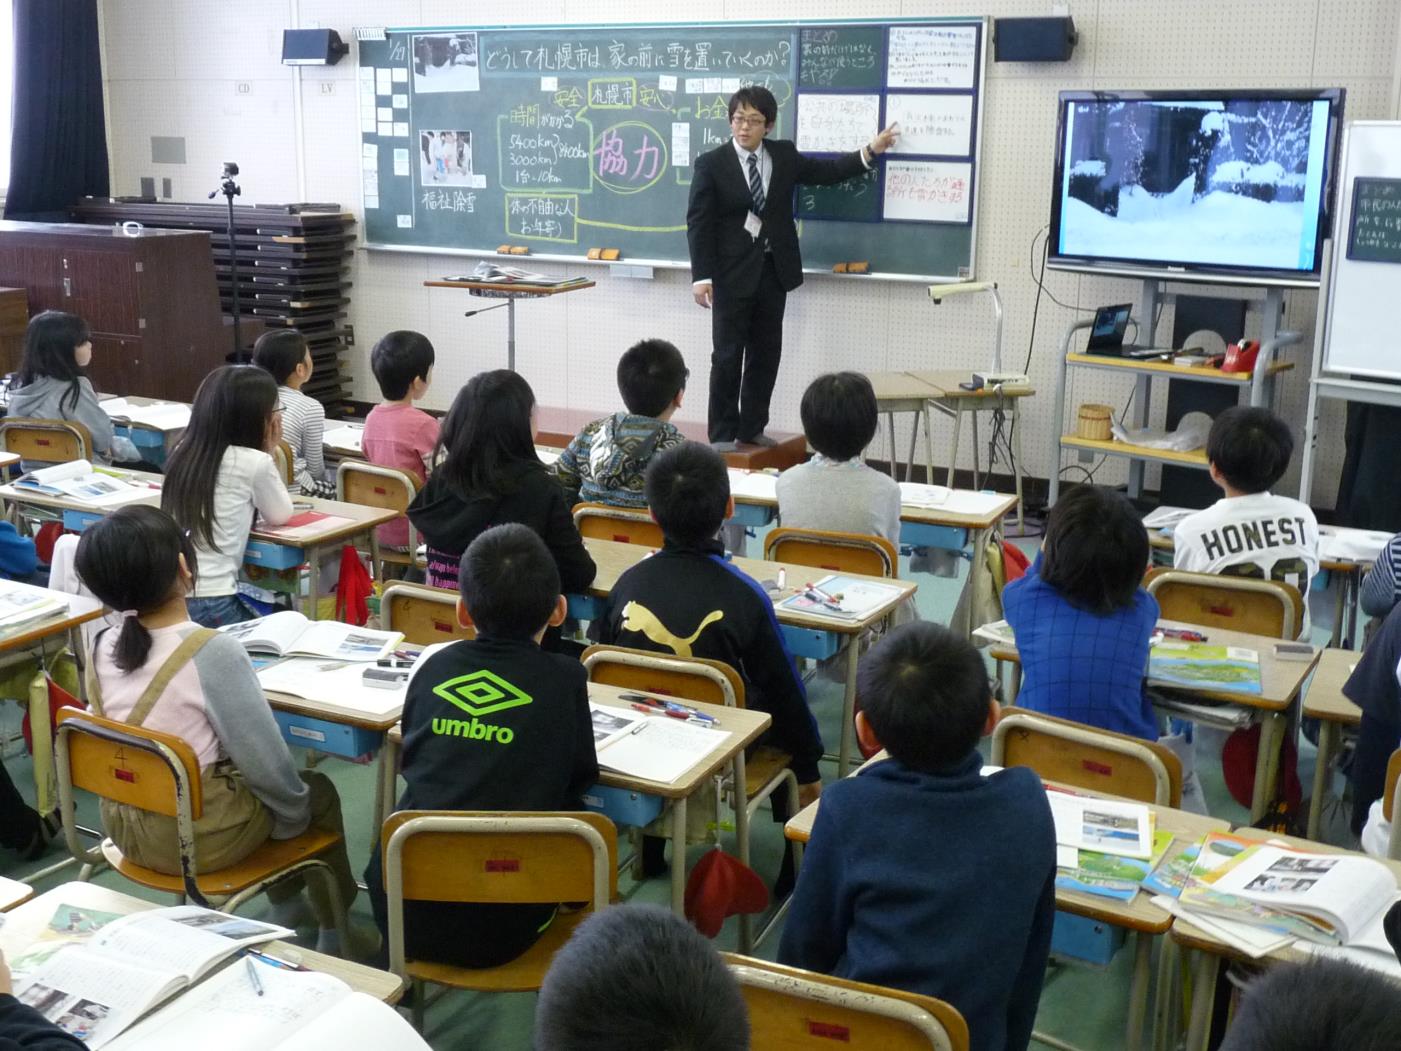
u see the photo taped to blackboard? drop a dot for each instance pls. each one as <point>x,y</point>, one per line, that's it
<point>445,158</point>
<point>445,62</point>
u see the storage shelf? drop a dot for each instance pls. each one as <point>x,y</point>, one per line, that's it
<point>1165,368</point>
<point>1195,458</point>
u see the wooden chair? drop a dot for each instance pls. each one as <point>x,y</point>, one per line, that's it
<point>766,770</point>
<point>158,772</point>
<point>796,1010</point>
<point>46,441</point>
<point>1260,607</point>
<point>455,856</point>
<point>622,524</point>
<point>872,556</point>
<point>1393,782</point>
<point>424,614</point>
<point>1088,757</point>
<point>282,456</point>
<point>360,482</point>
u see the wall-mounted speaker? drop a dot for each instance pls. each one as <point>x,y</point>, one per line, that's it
<point>1033,39</point>
<point>312,47</point>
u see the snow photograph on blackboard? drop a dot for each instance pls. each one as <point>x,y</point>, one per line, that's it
<point>1233,182</point>
<point>445,62</point>
<point>445,158</point>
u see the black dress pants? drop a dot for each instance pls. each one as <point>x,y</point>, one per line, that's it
<point>747,333</point>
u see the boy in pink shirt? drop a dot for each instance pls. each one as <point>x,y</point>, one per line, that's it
<point>397,434</point>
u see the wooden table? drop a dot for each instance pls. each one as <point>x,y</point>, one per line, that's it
<point>25,923</point>
<point>1139,914</point>
<point>953,401</point>
<point>743,727</point>
<point>1280,683</point>
<point>1326,703</point>
<point>1210,950</point>
<point>510,291</point>
<point>807,635</point>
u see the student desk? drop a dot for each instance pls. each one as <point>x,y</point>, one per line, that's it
<point>615,794</point>
<point>267,547</point>
<point>1210,950</point>
<point>906,392</point>
<point>1139,914</point>
<point>1326,703</point>
<point>806,635</point>
<point>155,443</point>
<point>7,461</point>
<point>28,921</point>
<point>1281,682</point>
<point>343,442</point>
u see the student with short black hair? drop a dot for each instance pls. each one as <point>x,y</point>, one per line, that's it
<point>1318,1005</point>
<point>285,355</point>
<point>1251,532</point>
<point>836,490</point>
<point>534,754</point>
<point>689,600</point>
<point>606,461</point>
<point>894,888</point>
<point>640,978</point>
<point>397,434</point>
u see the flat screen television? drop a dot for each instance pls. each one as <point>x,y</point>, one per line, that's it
<point>1224,186</point>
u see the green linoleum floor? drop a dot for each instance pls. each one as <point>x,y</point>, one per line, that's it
<point>1081,1004</point>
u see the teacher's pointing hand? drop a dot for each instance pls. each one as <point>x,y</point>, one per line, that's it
<point>884,140</point>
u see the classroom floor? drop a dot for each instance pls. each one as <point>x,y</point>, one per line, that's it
<point>1081,1004</point>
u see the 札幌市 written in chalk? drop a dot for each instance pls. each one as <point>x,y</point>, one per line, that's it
<point>932,57</point>
<point>928,191</point>
<point>830,123</point>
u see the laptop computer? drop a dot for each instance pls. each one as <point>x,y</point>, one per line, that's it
<point>1107,335</point>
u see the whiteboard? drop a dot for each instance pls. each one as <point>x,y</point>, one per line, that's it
<point>1363,334</point>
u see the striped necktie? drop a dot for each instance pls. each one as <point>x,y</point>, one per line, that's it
<point>756,184</point>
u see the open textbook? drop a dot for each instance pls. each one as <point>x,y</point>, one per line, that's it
<point>297,1011</point>
<point>162,416</point>
<point>345,436</point>
<point>336,686</point>
<point>1200,665</point>
<point>288,633</point>
<point>24,604</point>
<point>96,989</point>
<point>79,480</point>
<point>1326,898</point>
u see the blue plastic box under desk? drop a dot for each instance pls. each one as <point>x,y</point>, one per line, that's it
<point>624,806</point>
<point>259,552</point>
<point>306,731</point>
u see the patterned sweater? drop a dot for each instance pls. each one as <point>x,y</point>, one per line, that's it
<point>605,462</point>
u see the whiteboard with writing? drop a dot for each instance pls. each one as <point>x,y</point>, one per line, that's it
<point>829,123</point>
<point>932,124</point>
<point>928,191</point>
<point>932,57</point>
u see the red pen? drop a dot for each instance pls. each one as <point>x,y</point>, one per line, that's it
<point>1183,634</point>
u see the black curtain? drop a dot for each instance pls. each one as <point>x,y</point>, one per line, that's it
<point>58,142</point>
<point>1368,496</point>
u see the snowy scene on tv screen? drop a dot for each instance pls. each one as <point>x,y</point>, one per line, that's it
<point>1232,182</point>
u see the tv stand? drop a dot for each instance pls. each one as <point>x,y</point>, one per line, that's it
<point>1259,384</point>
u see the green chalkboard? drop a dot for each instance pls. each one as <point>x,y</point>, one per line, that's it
<point>1375,236</point>
<point>567,138</point>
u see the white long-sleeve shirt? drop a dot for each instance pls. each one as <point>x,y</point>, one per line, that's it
<point>248,481</point>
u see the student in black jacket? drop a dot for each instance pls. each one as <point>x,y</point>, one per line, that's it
<point>689,600</point>
<point>24,1029</point>
<point>492,723</point>
<point>491,475</point>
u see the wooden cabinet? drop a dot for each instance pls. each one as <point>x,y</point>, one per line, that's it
<point>150,300</point>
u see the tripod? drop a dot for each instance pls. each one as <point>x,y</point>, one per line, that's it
<point>230,190</point>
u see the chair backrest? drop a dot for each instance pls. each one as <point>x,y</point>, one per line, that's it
<point>1088,757</point>
<point>48,441</point>
<point>1393,784</point>
<point>424,614</point>
<point>622,524</point>
<point>1260,607</point>
<point>282,456</point>
<point>794,1010</point>
<point>128,764</point>
<point>872,556</point>
<point>361,482</point>
<point>690,678</point>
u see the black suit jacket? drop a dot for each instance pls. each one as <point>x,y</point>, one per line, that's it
<point>722,251</point>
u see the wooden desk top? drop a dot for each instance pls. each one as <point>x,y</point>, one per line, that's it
<point>81,609</point>
<point>614,558</point>
<point>1187,933</point>
<point>1280,681</point>
<point>1138,914</point>
<point>1325,698</point>
<point>901,386</point>
<point>759,488</point>
<point>947,383</point>
<point>24,925</point>
<point>362,517</point>
<point>744,726</point>
<point>8,459</point>
<point>511,288</point>
<point>29,498</point>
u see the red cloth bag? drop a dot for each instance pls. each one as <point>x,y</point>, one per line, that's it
<point>721,885</point>
<point>353,588</point>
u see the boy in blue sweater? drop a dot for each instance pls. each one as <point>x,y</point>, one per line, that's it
<point>923,874</point>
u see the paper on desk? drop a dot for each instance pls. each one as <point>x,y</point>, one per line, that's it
<point>660,749</point>
<point>915,494</point>
<point>1104,825</point>
<point>346,436</point>
<point>757,485</point>
<point>1341,544</point>
<point>958,501</point>
<point>164,416</point>
<point>1165,517</point>
<point>1255,942</point>
<point>338,685</point>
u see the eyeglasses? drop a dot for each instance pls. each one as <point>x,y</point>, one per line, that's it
<point>748,122</point>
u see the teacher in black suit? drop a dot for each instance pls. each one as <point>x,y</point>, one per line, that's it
<point>745,258</point>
